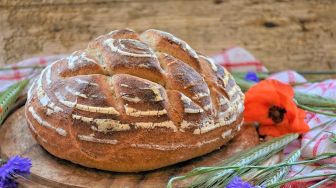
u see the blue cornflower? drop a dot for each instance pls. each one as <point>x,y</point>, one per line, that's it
<point>8,183</point>
<point>251,76</point>
<point>14,166</point>
<point>236,182</point>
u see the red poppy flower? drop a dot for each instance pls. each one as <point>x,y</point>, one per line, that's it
<point>271,104</point>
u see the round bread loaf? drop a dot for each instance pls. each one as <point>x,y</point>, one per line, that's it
<point>134,102</point>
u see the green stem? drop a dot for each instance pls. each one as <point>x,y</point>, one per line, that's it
<point>314,100</point>
<point>243,84</point>
<point>265,75</point>
<point>298,178</point>
<point>325,126</point>
<point>322,72</point>
<point>333,137</point>
<point>171,181</point>
<point>282,171</point>
<point>9,97</point>
<point>2,161</point>
<point>259,75</point>
<point>314,110</point>
<point>323,108</point>
<point>322,182</point>
<point>249,157</point>
<point>204,170</point>
<point>21,67</point>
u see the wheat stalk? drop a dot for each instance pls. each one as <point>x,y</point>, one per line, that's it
<point>252,156</point>
<point>280,173</point>
<point>314,100</point>
<point>299,178</point>
<point>323,181</point>
<point>311,109</point>
<point>9,97</point>
<point>203,170</point>
<point>241,159</point>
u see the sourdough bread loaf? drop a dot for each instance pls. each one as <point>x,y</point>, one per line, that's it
<point>134,102</point>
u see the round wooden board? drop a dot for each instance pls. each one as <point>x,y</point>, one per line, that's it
<point>47,170</point>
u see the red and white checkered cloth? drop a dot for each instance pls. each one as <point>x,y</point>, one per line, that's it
<point>322,144</point>
<point>11,76</point>
<point>240,60</point>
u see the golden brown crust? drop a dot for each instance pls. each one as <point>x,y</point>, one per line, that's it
<point>132,103</point>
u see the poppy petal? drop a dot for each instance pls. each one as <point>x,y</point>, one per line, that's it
<point>266,94</point>
<point>299,125</point>
<point>257,112</point>
<point>269,130</point>
<point>283,88</point>
<point>289,105</point>
<point>263,92</point>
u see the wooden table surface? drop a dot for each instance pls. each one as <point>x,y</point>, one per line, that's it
<point>283,34</point>
<point>49,171</point>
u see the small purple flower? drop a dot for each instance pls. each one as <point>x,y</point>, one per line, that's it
<point>14,166</point>
<point>251,76</point>
<point>236,182</point>
<point>8,183</point>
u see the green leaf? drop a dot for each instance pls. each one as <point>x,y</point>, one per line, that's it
<point>9,97</point>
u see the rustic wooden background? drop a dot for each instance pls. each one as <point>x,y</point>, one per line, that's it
<point>296,34</point>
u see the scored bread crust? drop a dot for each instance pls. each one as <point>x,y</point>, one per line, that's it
<point>134,102</point>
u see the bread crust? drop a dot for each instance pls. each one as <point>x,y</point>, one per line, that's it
<point>131,103</point>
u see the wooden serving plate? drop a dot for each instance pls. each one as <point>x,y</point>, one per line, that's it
<point>49,171</point>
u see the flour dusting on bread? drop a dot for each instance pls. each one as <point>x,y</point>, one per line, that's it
<point>133,102</point>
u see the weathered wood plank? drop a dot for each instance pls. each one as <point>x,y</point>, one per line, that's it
<point>283,34</point>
